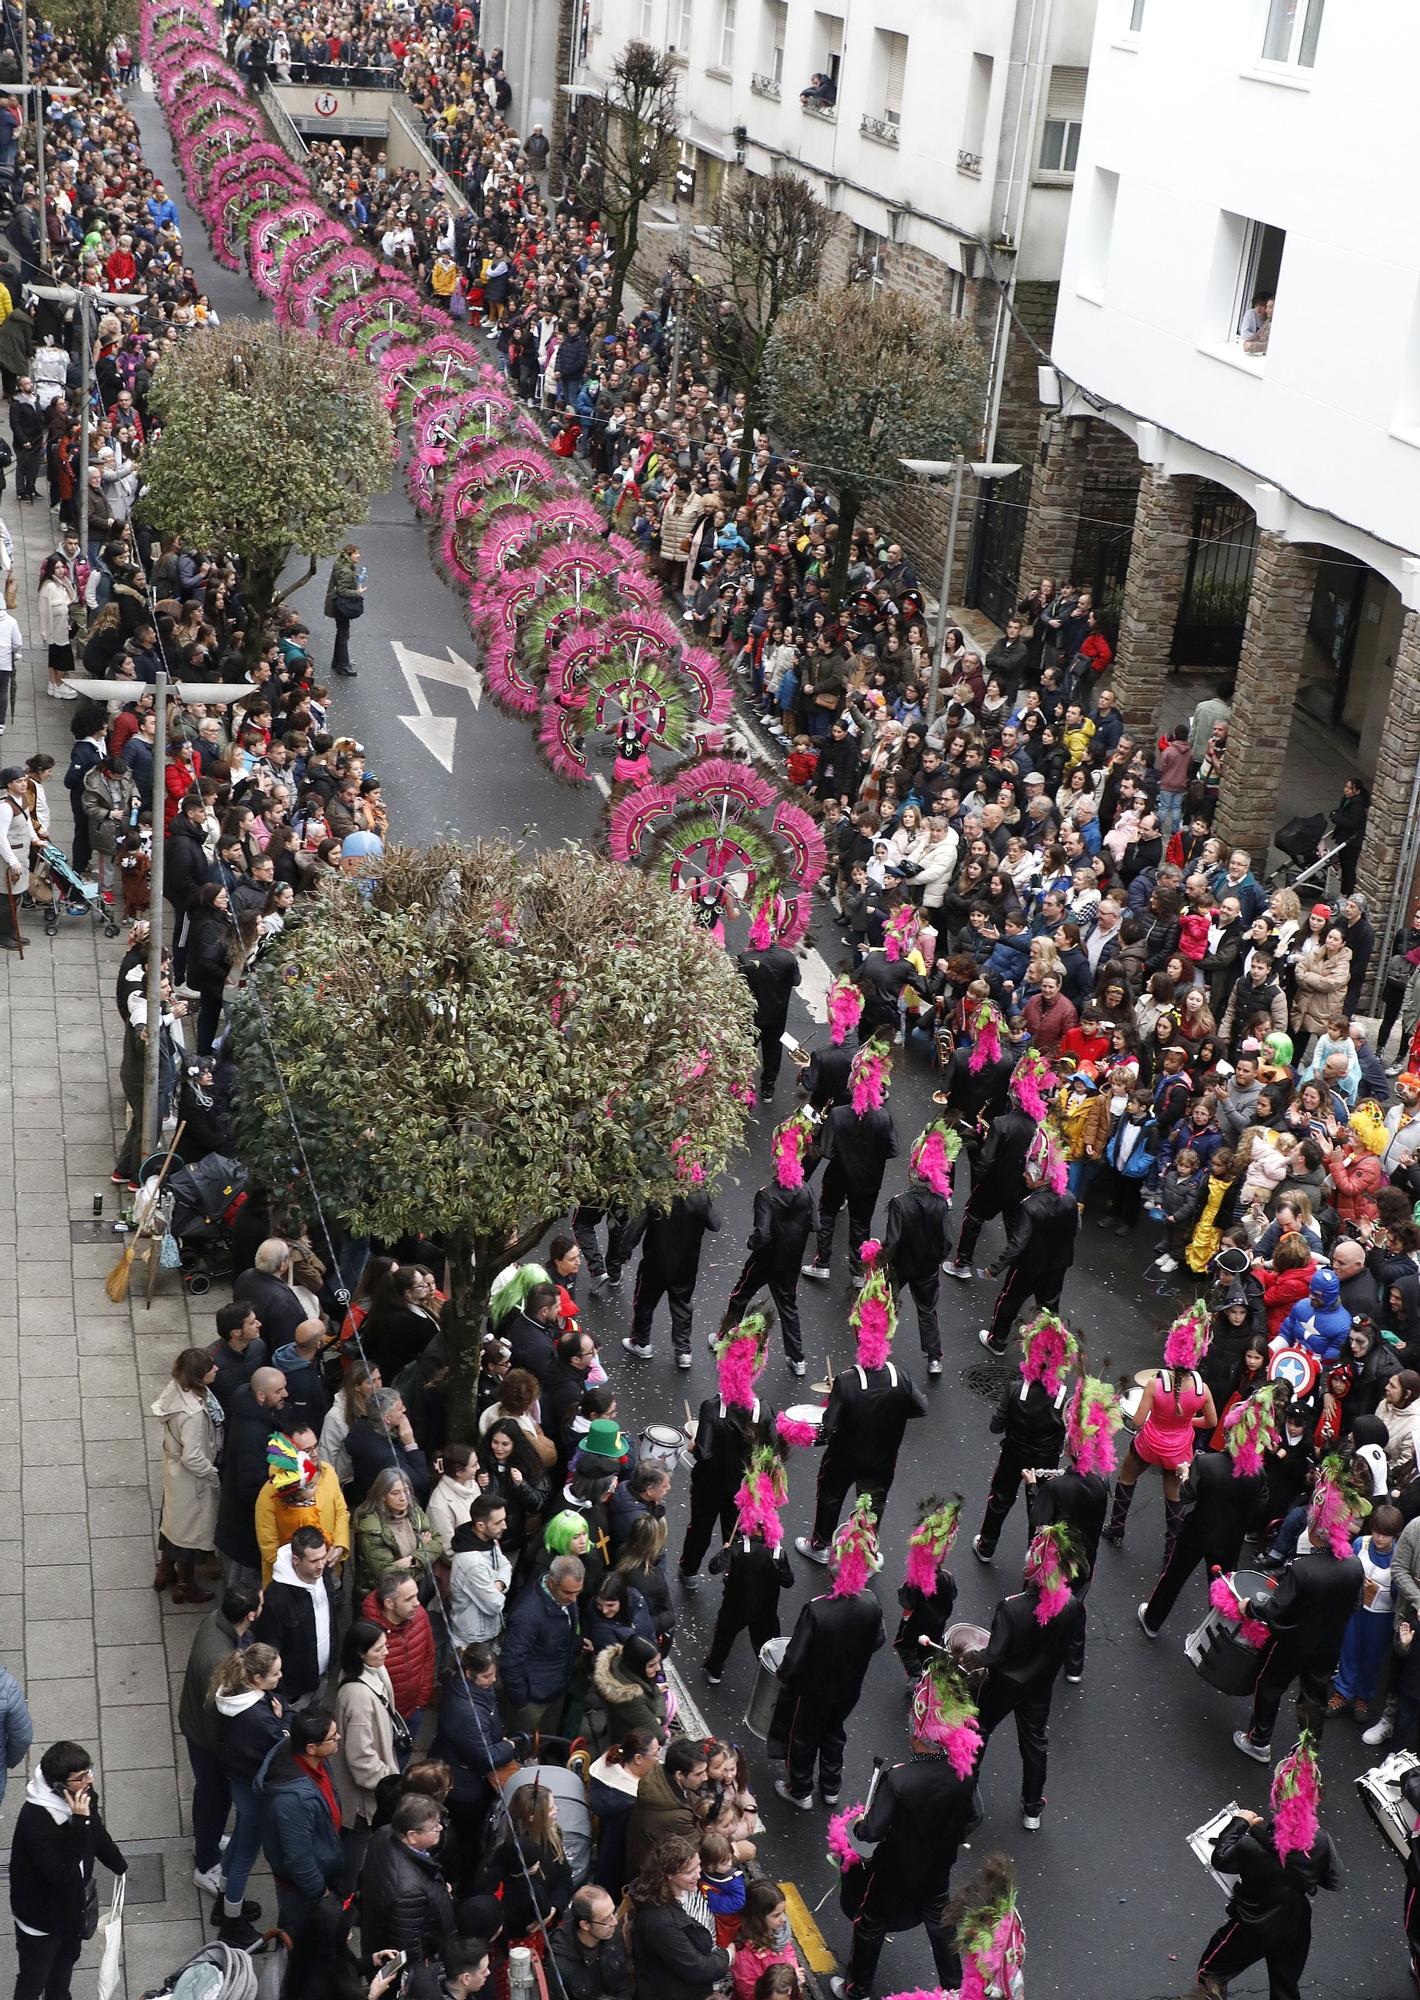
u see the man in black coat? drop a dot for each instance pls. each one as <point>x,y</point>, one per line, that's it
<point>1269,1914</point>
<point>384,1437</point>
<point>725,1436</point>
<point>1030,1423</point>
<point>298,1615</point>
<point>857,1151</point>
<point>253,1413</point>
<point>588,1950</point>
<point>868,1412</point>
<point>783,1224</point>
<point>1039,1250</point>
<point>920,1815</point>
<point>974,1100</point>
<point>916,1240</point>
<point>238,1351</point>
<point>821,1679</point>
<point>27,428</point>
<point>998,1184</point>
<point>771,975</point>
<point>1023,1659</point>
<point>267,1287</point>
<point>405,1903</point>
<point>883,981</point>
<point>1307,1616</point>
<point>823,1075</point>
<point>185,868</point>
<point>59,1835</point>
<point>754,1576</point>
<point>670,1264</point>
<point>1075,1500</point>
<point>531,1331</point>
<point>566,1381</point>
<point>1218,1504</point>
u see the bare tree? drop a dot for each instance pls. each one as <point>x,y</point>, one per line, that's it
<point>771,232</point>
<point>635,149</point>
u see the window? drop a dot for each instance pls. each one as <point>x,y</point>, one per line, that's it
<point>1096,232</point>
<point>1293,27</point>
<point>727,34</point>
<point>828,46</point>
<point>1064,110</point>
<point>683,27</point>
<point>978,101</point>
<point>890,74</point>
<point>956,294</point>
<point>775,28</point>
<point>1258,273</point>
<point>644,25</point>
<point>1136,16</point>
<point>868,264</point>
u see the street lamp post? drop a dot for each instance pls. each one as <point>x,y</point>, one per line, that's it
<point>36,93</point>
<point>954,469</point>
<point>82,298</point>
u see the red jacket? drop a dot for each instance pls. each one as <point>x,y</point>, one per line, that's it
<point>410,1660</point>
<point>178,780</point>
<point>1357,1177</point>
<point>1281,1290</point>
<point>1193,935</point>
<point>1098,651</point>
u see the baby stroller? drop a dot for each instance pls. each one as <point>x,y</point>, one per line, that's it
<point>1301,841</point>
<point>206,1199</point>
<point>61,892</point>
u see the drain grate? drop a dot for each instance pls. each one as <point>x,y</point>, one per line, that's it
<point>987,1379</point>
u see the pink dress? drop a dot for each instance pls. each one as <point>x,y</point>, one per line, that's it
<point>1167,1437</point>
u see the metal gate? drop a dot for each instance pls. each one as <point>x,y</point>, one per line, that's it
<point>1103,535</point>
<point>1213,610</point>
<point>998,536</point>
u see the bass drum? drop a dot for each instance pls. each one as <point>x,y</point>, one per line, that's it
<point>1219,1652</point>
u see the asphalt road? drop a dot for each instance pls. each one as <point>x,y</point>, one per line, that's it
<point>1115,1905</point>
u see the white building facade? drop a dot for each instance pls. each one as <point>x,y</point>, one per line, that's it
<point>1240,300</point>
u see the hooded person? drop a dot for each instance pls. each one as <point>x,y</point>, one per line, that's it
<point>1320,1321</point>
<point>1220,1494</point>
<point>917,1235</point>
<point>869,1409</point>
<point>1076,1496</point>
<point>821,1678</point>
<point>729,1427</point>
<point>1307,1614</point>
<point>1039,1247</point>
<point>1029,1420</point>
<point>998,1182</point>
<point>920,1814</point>
<point>298,1615</point>
<point>857,1141</point>
<point>753,1564</point>
<point>771,971</point>
<point>928,1591</point>
<point>1239,1321</point>
<point>783,1224</point>
<point>1032,1634</point>
<point>824,1080</point>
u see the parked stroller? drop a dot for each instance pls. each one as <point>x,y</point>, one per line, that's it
<point>59,891</point>
<point>207,1198</point>
<point>1307,861</point>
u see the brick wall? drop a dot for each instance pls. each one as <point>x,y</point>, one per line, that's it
<point>1158,563</point>
<point>1283,584</point>
<point>1398,756</point>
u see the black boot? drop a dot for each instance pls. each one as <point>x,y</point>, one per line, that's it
<point>1119,1513</point>
<point>1174,1511</point>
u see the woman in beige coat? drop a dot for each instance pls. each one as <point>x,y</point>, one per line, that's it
<point>192,1421</point>
<point>367,1719</point>
<point>1323,973</point>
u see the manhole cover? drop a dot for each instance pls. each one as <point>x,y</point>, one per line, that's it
<point>987,1379</point>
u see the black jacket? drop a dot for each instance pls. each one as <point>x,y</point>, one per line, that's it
<point>288,1622</point>
<point>1022,1650</point>
<point>783,1224</point>
<point>52,1865</point>
<point>1041,1237</point>
<point>244,1438</point>
<point>921,1813</point>
<point>1270,1890</point>
<point>371,1449</point>
<point>599,1974</point>
<point>825,1081</point>
<point>978,1093</point>
<point>1219,1507</point>
<point>185,864</point>
<point>471,1740</point>
<point>1311,1606</point>
<point>209,965</point>
<point>275,1304</point>
<point>917,1234</point>
<point>1031,1423</point>
<point>771,977</point>
<point>676,1958</point>
<point>883,981</point>
<point>868,1412</point>
<point>404,1902</point>
<point>1077,1500</point>
<point>834,1640</point>
<point>246,1740</point>
<point>723,1444</point>
<point>531,1340</point>
<point>233,1369</point>
<point>670,1240</point>
<point>393,1339</point>
<point>754,1575</point>
<point>1001,1170</point>
<point>859,1147</point>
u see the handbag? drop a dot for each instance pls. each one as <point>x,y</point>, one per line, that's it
<point>399,1728</point>
<point>348,607</point>
<point>110,1982</point>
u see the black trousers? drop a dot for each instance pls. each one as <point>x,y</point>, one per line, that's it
<point>833,1485</point>
<point>1284,1942</point>
<point>708,1509</point>
<point>771,1050</point>
<point>758,1272</point>
<point>1188,1552</point>
<point>983,1205</point>
<point>860,1201</point>
<point>1001,1498</point>
<point>869,1937</point>
<point>1023,1283</point>
<point>1281,1665</point>
<point>925,1292</point>
<point>1031,1708</point>
<point>29,462</point>
<point>728,1627</point>
<point>340,655</point>
<point>585,1224</point>
<point>817,1736</point>
<point>46,1965</point>
<point>652,1285</point>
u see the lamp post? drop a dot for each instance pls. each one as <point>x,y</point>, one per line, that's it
<point>680,229</point>
<point>955,469</point>
<point>37,92</point>
<point>214,694</point>
<point>81,298</point>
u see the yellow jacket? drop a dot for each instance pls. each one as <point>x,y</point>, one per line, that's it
<point>7,304</point>
<point>277,1520</point>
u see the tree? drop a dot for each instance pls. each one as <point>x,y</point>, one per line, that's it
<point>487,1038</point>
<point>272,442</point>
<point>635,149</point>
<point>93,25</point>
<point>853,384</point>
<point>771,232</point>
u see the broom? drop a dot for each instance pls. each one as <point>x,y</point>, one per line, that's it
<point>117,1282</point>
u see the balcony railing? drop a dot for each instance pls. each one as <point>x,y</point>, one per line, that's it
<point>884,130</point>
<point>825,111</point>
<point>765,86</point>
<point>969,163</point>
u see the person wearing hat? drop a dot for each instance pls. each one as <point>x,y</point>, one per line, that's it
<point>1402,1124</point>
<point>16,837</point>
<point>1320,1321</point>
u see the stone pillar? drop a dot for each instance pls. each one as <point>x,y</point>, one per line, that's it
<point>1158,563</point>
<point>1283,584</point>
<point>1385,848</point>
<point>1056,492</point>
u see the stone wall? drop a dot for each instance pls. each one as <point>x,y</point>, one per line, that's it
<point>1158,563</point>
<point>1386,827</point>
<point>1283,584</point>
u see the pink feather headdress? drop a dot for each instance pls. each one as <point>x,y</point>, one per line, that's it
<point>854,1556</point>
<point>1032,1081</point>
<point>1252,1430</point>
<point>1296,1800</point>
<point>930,1543</point>
<point>868,1076</point>
<point>845,1008</point>
<point>739,1353</point>
<point>874,1314</point>
<point>1090,1424</point>
<point>1046,1163</point>
<point>1048,1351</point>
<point>761,1498</point>
<point>901,931</point>
<point>1188,1337</point>
<point>1339,1506</point>
<point>944,1713</point>
<point>933,1155</point>
<point>985,1026</point>
<point>1052,1563</point>
<point>761,931</point>
<point>791,1142</point>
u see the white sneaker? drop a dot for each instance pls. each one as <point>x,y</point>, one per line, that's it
<point>819,1272</point>
<point>1166,1264</point>
<point>209,1879</point>
<point>1030,1821</point>
<point>66,693</point>
<point>682,1361</point>
<point>1379,1732</point>
<point>642,1353</point>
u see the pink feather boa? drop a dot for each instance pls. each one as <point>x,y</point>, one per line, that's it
<point>985,1047</point>
<point>787,1152</point>
<point>869,1084</point>
<point>934,1166</point>
<point>922,1572</point>
<point>852,1573</point>
<point>1296,1804</point>
<point>758,1507</point>
<point>1225,1601</point>
<point>794,1431</point>
<point>1028,1096</point>
<point>739,1365</point>
<point>840,1845</point>
<point>963,1745</point>
<point>761,931</point>
<point>845,1009</point>
<point>874,1333</point>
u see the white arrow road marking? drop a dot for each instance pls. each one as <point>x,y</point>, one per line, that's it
<point>602,783</point>
<point>436,732</point>
<point>815,979</point>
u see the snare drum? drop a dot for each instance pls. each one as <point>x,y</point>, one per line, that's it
<point>1219,1652</point>
<point>806,1413</point>
<point>1385,1808</point>
<point>967,1638</point>
<point>1129,1406</point>
<point>665,1444</point>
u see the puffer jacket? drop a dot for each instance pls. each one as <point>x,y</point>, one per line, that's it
<point>630,1704</point>
<point>404,1902</point>
<point>410,1660</point>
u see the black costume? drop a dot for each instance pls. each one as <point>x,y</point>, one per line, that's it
<point>916,1238</point>
<point>1031,1426</point>
<point>825,1081</point>
<point>771,975</point>
<point>1022,1659</point>
<point>1270,1911</point>
<point>1217,1508</point>
<point>922,1617</point>
<point>1040,1248</point>
<point>822,1678</point>
<point>585,1223</point>
<point>857,1151</point>
<point>783,1224</point>
<point>670,1264</point>
<point>1077,1501</point>
<point>724,1438</point>
<point>862,1431</point>
<point>883,982</point>
<point>998,1179</point>
<point>920,1814</point>
<point>754,1576</point>
<point>1307,1616</point>
<point>975,1100</point>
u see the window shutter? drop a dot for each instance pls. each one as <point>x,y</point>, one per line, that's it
<point>896,74</point>
<point>1066,100</point>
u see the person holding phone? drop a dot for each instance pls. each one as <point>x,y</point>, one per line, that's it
<point>59,1835</point>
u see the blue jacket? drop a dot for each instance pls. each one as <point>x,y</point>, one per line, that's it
<point>470,1739</point>
<point>540,1646</point>
<point>1008,959</point>
<point>301,1840</point>
<point>17,1732</point>
<point>1323,1329</point>
<point>1142,1155</point>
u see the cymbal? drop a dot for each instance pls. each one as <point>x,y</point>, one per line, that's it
<point>1144,1376</point>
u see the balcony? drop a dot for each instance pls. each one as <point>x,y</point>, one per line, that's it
<point>827,112</point>
<point>883,130</point>
<point>765,86</point>
<point>969,163</point>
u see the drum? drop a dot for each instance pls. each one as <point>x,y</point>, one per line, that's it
<point>806,1413</point>
<point>967,1638</point>
<point>1129,1404</point>
<point>766,1690</point>
<point>1387,1811</point>
<point>666,1444</point>
<point>1219,1652</point>
<point>1205,1838</point>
